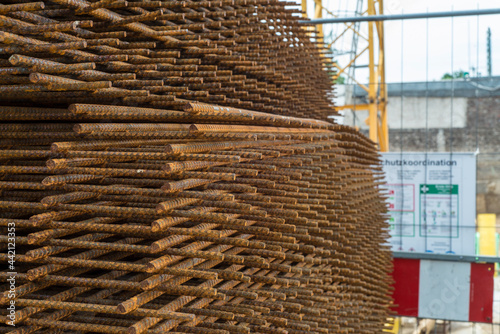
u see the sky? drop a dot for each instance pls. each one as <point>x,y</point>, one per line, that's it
<point>425,49</point>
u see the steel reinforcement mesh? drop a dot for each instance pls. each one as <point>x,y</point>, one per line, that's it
<point>168,167</point>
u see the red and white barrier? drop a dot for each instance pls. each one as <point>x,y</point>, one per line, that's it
<point>447,290</point>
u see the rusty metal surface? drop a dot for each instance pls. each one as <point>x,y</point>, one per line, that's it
<point>249,54</point>
<point>168,167</point>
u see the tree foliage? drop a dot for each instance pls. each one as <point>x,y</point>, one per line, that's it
<point>340,80</point>
<point>456,75</point>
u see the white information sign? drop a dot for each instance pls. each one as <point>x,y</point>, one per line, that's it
<point>432,201</point>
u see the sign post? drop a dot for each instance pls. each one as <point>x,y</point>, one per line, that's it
<point>432,202</point>
<point>432,208</point>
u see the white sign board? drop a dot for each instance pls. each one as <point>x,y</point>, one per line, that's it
<point>444,290</point>
<point>432,201</point>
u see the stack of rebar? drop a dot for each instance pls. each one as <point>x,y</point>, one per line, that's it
<point>168,167</point>
<point>249,54</point>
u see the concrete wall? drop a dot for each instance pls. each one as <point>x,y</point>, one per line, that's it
<point>475,126</point>
<point>439,110</point>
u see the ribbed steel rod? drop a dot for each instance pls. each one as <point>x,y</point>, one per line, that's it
<point>170,167</point>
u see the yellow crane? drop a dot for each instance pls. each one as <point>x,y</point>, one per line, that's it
<point>372,14</point>
<point>376,87</point>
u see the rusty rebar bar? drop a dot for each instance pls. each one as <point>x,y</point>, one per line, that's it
<point>171,167</point>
